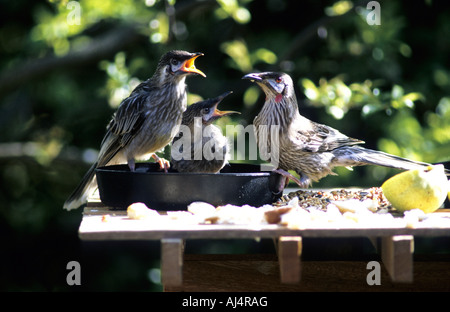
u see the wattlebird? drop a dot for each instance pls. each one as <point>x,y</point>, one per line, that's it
<point>145,122</point>
<point>200,146</point>
<point>310,149</point>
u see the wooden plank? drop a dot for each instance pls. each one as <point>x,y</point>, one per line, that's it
<point>119,227</point>
<point>375,241</point>
<point>92,228</point>
<point>172,262</point>
<point>289,252</point>
<point>260,273</point>
<point>397,255</point>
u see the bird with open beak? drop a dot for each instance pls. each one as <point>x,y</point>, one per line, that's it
<point>145,122</point>
<point>311,149</point>
<point>200,146</point>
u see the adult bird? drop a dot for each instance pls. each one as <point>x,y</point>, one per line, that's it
<point>310,149</point>
<point>200,146</point>
<point>145,122</point>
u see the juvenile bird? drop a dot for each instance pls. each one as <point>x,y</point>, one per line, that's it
<point>310,149</point>
<point>200,146</point>
<point>145,122</point>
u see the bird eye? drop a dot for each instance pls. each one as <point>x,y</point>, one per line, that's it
<point>174,62</point>
<point>278,80</point>
<point>206,110</point>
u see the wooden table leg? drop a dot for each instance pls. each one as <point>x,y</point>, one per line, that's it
<point>397,255</point>
<point>376,243</point>
<point>289,252</point>
<point>172,250</point>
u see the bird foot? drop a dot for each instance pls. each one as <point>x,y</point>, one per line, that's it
<point>288,177</point>
<point>163,163</point>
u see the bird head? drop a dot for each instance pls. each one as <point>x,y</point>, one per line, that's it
<point>207,110</point>
<point>180,63</point>
<point>276,86</point>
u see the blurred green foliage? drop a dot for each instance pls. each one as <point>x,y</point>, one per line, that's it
<point>66,65</point>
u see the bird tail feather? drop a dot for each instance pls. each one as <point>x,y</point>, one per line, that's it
<point>366,156</point>
<point>84,189</point>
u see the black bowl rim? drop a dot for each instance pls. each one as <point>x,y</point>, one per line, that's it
<point>245,174</point>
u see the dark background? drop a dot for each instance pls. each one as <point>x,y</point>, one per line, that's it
<point>387,84</point>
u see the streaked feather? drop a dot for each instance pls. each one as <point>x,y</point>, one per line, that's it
<point>312,149</point>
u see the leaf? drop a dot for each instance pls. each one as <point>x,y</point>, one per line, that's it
<point>238,52</point>
<point>232,9</point>
<point>265,55</point>
<point>339,8</point>
<point>311,91</point>
<point>413,96</point>
<point>443,107</point>
<point>337,112</point>
<point>371,108</point>
<point>251,96</point>
<point>397,92</point>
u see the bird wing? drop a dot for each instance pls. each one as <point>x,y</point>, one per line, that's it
<point>321,138</point>
<point>123,127</point>
<point>129,118</point>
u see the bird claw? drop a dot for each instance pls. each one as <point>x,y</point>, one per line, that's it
<point>288,177</point>
<point>163,163</point>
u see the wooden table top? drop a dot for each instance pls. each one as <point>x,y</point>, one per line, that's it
<point>118,226</point>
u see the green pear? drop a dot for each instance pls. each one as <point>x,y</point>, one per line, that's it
<point>424,189</point>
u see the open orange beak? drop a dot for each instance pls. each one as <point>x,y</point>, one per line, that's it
<point>189,66</point>
<point>218,113</point>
